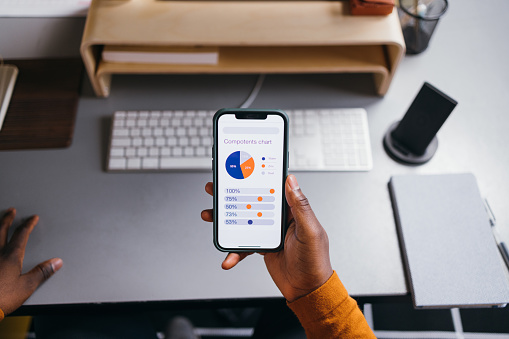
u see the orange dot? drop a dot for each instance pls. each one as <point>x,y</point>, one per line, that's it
<point>248,207</point>
<point>272,191</point>
<point>259,214</point>
<point>260,198</point>
<point>263,165</point>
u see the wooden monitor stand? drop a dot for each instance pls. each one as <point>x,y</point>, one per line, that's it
<point>250,36</point>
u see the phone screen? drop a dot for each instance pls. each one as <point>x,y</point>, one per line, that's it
<point>250,170</point>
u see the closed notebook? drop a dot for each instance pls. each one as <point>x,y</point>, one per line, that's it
<point>450,254</point>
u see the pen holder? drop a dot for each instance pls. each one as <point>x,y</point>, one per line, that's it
<point>418,22</point>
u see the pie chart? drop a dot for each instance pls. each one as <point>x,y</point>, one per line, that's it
<point>240,165</point>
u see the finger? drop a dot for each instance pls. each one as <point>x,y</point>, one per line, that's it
<point>40,273</point>
<point>207,215</point>
<point>5,224</point>
<point>19,239</point>
<point>233,259</point>
<point>299,206</point>
<point>209,188</point>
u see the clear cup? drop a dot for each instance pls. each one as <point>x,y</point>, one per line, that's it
<point>418,21</point>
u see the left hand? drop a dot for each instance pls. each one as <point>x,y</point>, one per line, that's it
<point>15,287</point>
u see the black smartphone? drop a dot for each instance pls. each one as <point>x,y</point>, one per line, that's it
<point>250,162</point>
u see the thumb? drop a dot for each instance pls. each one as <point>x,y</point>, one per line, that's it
<point>299,204</point>
<point>42,272</point>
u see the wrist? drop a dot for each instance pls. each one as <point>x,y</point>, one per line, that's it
<point>297,293</point>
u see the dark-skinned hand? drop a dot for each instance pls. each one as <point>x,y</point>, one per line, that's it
<point>304,264</point>
<point>15,287</point>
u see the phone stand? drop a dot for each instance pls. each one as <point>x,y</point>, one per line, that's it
<point>413,141</point>
<point>400,153</point>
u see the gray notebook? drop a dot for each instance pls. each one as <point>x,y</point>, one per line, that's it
<point>450,254</point>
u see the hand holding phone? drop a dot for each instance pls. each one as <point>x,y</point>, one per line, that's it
<point>304,263</point>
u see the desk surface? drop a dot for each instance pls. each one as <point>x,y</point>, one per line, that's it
<point>139,237</point>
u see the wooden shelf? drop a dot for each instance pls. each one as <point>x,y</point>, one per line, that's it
<point>251,36</point>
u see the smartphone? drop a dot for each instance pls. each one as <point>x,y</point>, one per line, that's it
<point>250,162</point>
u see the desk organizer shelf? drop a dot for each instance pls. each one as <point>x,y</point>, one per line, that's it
<point>250,36</point>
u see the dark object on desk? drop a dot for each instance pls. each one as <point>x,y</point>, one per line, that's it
<point>371,7</point>
<point>418,22</point>
<point>413,141</point>
<point>43,106</point>
<point>450,254</point>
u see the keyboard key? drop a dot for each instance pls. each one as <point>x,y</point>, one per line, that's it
<point>165,151</point>
<point>177,151</point>
<point>160,142</point>
<point>150,163</point>
<point>123,142</point>
<point>117,152</point>
<point>171,141</point>
<point>207,141</point>
<point>137,142</point>
<point>142,152</point>
<point>181,131</point>
<point>119,123</point>
<point>120,132</point>
<point>130,152</point>
<point>183,141</point>
<point>186,163</point>
<point>200,151</point>
<point>169,131</point>
<point>146,132</point>
<point>204,131</point>
<point>148,142</point>
<point>157,132</point>
<point>153,151</point>
<point>135,132</point>
<point>188,151</point>
<point>117,163</point>
<point>134,163</point>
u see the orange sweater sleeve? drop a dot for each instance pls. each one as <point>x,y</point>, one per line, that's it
<point>2,315</point>
<point>329,312</point>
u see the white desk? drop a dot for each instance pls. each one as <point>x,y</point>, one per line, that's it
<point>139,237</point>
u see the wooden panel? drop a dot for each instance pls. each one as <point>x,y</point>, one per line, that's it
<point>43,106</point>
<point>253,37</point>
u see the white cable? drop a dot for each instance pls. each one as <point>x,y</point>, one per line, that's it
<point>456,321</point>
<point>254,92</point>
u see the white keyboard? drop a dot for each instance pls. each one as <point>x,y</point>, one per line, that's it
<point>43,8</point>
<point>320,140</point>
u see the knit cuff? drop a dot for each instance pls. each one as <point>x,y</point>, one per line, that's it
<point>319,303</point>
